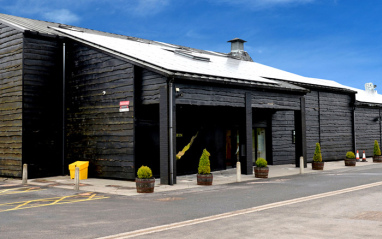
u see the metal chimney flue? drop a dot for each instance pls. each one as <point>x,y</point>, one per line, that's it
<point>237,50</point>
<point>237,45</point>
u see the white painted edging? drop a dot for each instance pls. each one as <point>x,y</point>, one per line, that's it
<point>150,230</point>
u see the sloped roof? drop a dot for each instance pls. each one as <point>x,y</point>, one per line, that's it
<point>181,61</point>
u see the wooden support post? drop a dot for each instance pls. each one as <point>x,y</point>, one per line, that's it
<point>247,167</point>
<point>303,132</point>
<point>300,128</point>
<point>163,136</point>
<point>25,174</point>
<point>77,179</point>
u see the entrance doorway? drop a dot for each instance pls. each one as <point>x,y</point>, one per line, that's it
<point>259,147</point>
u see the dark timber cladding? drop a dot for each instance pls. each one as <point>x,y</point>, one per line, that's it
<point>42,106</point>
<point>329,122</point>
<point>11,45</point>
<point>368,128</point>
<point>96,130</point>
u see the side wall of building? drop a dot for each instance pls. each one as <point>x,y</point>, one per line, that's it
<point>96,130</point>
<point>368,129</point>
<point>42,106</point>
<point>11,58</point>
<point>329,120</point>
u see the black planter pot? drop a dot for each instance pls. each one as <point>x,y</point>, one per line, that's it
<point>261,172</point>
<point>204,179</point>
<point>350,162</point>
<point>377,159</point>
<point>145,185</point>
<point>318,165</point>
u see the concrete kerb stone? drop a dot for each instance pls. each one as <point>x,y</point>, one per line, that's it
<point>127,188</point>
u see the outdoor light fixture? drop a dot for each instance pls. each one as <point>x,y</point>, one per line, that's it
<point>178,94</point>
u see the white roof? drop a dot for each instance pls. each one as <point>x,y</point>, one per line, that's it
<point>176,59</point>
<point>364,96</point>
<point>163,55</point>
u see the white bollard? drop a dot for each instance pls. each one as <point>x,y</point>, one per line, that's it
<point>77,179</point>
<point>25,174</point>
<point>301,165</point>
<point>238,172</point>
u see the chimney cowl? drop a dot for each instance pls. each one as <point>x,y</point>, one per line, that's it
<point>237,50</point>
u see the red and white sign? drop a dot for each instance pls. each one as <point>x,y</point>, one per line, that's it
<point>124,106</point>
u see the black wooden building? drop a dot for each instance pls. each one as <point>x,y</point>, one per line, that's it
<point>70,94</point>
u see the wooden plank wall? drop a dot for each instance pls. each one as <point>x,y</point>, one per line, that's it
<point>151,83</point>
<point>312,111</point>
<point>96,130</point>
<point>227,96</point>
<point>367,129</point>
<point>42,106</point>
<point>282,146</point>
<point>333,116</point>
<point>11,47</point>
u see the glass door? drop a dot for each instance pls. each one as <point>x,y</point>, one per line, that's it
<point>259,147</point>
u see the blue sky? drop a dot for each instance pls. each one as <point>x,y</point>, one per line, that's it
<point>337,40</point>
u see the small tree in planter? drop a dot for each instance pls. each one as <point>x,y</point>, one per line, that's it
<point>350,159</point>
<point>377,158</point>
<point>145,181</point>
<point>261,169</point>
<point>204,176</point>
<point>317,163</point>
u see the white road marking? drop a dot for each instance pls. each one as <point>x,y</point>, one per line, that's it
<point>150,230</point>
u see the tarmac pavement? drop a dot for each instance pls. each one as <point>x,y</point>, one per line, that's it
<point>127,188</point>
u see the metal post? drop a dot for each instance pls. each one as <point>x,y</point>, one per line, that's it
<point>25,174</point>
<point>171,153</point>
<point>301,165</point>
<point>63,107</point>
<point>238,172</point>
<point>77,179</point>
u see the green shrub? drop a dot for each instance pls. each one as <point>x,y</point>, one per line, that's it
<point>144,172</point>
<point>204,163</point>
<point>377,150</point>
<point>261,163</point>
<point>350,155</point>
<point>317,157</point>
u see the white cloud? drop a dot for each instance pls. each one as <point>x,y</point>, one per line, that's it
<point>61,16</point>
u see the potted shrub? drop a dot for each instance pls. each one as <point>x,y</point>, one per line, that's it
<point>350,159</point>
<point>377,158</point>
<point>317,163</point>
<point>261,169</point>
<point>145,181</point>
<point>204,176</point>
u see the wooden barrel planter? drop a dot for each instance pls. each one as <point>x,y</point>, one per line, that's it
<point>145,185</point>
<point>350,162</point>
<point>377,159</point>
<point>204,179</point>
<point>261,172</point>
<point>318,165</point>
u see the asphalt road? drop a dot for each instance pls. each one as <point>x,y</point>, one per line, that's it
<point>59,213</point>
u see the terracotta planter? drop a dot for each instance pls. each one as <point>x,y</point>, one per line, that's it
<point>261,172</point>
<point>318,165</point>
<point>350,162</point>
<point>204,179</point>
<point>377,159</point>
<point>145,185</point>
